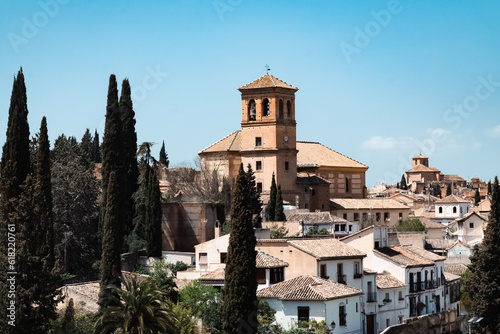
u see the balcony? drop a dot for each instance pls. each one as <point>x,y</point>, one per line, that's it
<point>371,297</point>
<point>342,279</point>
<point>358,275</point>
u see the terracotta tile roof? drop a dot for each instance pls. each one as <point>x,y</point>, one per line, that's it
<point>452,199</point>
<point>457,269</point>
<point>450,277</point>
<point>420,156</point>
<point>326,248</point>
<point>312,154</point>
<point>409,256</point>
<point>267,81</point>
<point>313,217</point>
<point>429,223</point>
<point>308,287</point>
<point>231,142</point>
<point>264,260</point>
<point>454,178</point>
<point>421,168</point>
<point>356,233</point>
<point>439,243</point>
<point>366,203</point>
<point>310,179</point>
<point>468,215</point>
<point>368,271</point>
<point>387,281</point>
<point>217,274</point>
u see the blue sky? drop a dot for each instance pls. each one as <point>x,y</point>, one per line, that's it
<point>379,81</point>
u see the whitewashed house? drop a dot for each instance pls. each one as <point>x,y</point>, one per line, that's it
<point>450,208</point>
<point>391,300</point>
<point>468,229</point>
<point>307,297</point>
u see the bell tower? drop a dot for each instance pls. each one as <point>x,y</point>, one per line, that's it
<point>268,133</point>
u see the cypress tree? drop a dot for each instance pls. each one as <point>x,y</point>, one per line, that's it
<point>163,158</point>
<point>96,148</point>
<point>16,147</point>
<point>130,151</point>
<point>87,146</point>
<point>239,307</point>
<point>279,215</point>
<point>402,184</point>
<point>111,241</point>
<point>153,224</point>
<point>448,190</point>
<point>44,197</point>
<point>112,152</point>
<point>271,205</point>
<point>255,202</point>
<point>477,198</point>
<point>484,284</point>
<point>489,188</point>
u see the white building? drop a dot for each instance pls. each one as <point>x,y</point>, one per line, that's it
<point>468,229</point>
<point>392,304</point>
<point>450,208</point>
<point>307,297</point>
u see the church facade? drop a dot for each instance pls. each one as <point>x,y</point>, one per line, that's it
<point>309,173</point>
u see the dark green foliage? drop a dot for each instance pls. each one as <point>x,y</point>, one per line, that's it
<point>477,198</point>
<point>130,151</point>
<point>16,147</point>
<point>111,243</point>
<point>87,146</point>
<point>255,202</point>
<point>139,308</point>
<point>178,266</point>
<point>112,153</point>
<point>148,212</point>
<point>96,149</point>
<point>484,283</point>
<point>436,190</point>
<point>163,158</point>
<point>239,307</point>
<point>448,190</point>
<point>279,215</point>
<point>465,299</point>
<point>411,224</point>
<point>75,191</point>
<point>44,231</point>
<point>278,232</point>
<point>402,184</point>
<point>317,231</point>
<point>271,205</point>
<point>163,281</point>
<point>489,187</point>
<point>205,302</point>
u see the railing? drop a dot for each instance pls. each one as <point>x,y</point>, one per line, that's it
<point>358,275</point>
<point>371,297</point>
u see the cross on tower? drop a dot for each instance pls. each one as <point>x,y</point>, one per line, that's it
<point>267,68</point>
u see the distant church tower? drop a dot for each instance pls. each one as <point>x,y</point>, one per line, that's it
<point>268,132</point>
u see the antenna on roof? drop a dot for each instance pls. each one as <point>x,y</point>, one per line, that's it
<point>267,68</point>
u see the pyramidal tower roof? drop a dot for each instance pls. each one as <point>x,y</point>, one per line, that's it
<point>267,81</point>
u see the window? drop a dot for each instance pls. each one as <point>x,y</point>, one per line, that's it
<point>387,299</point>
<point>356,307</point>
<point>400,295</point>
<point>258,165</point>
<point>265,107</point>
<point>313,192</point>
<point>454,209</point>
<point>387,322</point>
<point>259,187</point>
<point>344,216</point>
<point>356,217</point>
<point>440,209</point>
<point>377,216</point>
<point>281,109</point>
<point>400,319</point>
<point>303,313</point>
<point>340,273</point>
<point>342,315</point>
<point>277,275</point>
<point>357,270</point>
<point>251,110</point>
<point>400,216</point>
<point>471,225</point>
<point>377,244</point>
<point>223,257</point>
<point>261,275</point>
<point>322,270</point>
<point>365,216</point>
<point>387,216</point>
<point>346,185</point>
<point>350,228</point>
<point>287,165</point>
<point>258,141</point>
<point>288,108</point>
<point>305,190</point>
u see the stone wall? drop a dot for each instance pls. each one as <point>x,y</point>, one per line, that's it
<point>440,323</point>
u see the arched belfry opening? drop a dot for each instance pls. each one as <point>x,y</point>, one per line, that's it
<point>251,110</point>
<point>280,108</point>
<point>288,109</point>
<point>265,107</point>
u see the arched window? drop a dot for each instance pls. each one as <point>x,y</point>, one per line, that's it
<point>440,209</point>
<point>265,107</point>
<point>346,185</point>
<point>288,109</point>
<point>281,109</point>
<point>454,209</point>
<point>251,110</point>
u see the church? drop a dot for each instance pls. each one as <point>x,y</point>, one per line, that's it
<point>309,173</point>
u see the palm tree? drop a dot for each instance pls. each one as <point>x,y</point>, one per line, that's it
<point>138,309</point>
